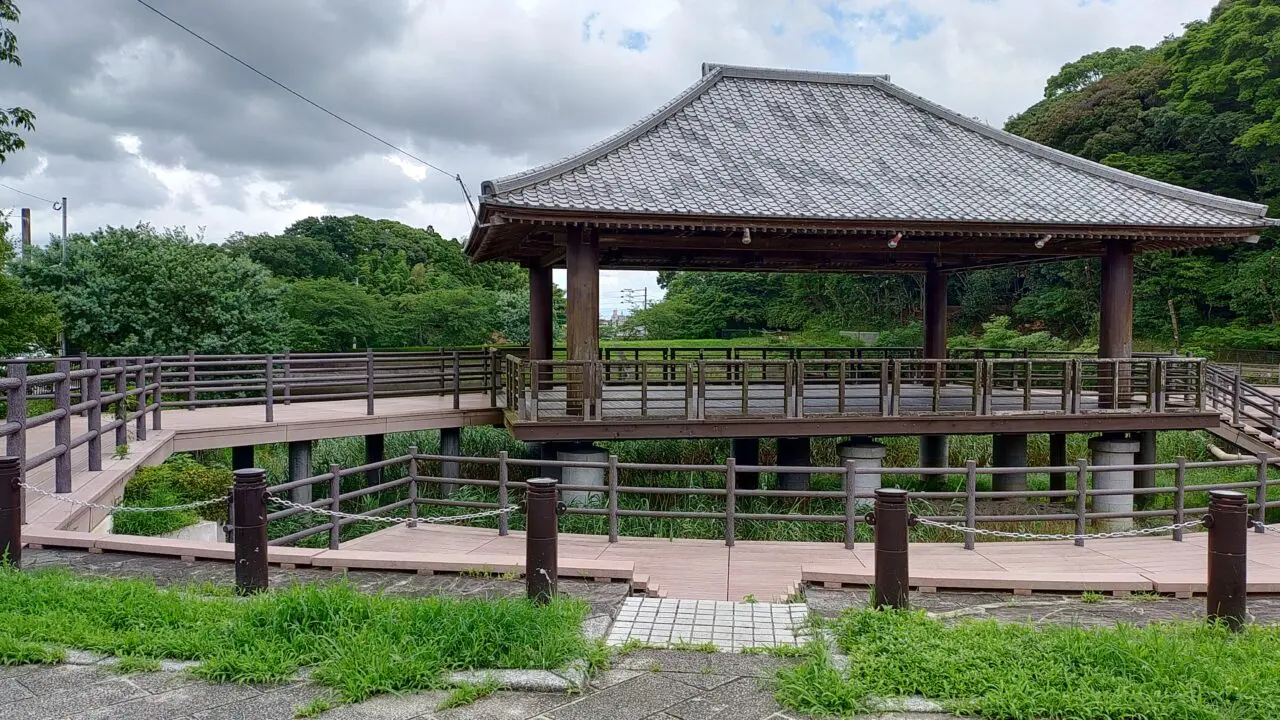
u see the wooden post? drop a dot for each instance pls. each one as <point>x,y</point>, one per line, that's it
<point>1260,513</point>
<point>541,538</point>
<point>413,486</point>
<point>16,412</point>
<point>582,256</point>
<point>157,396</point>
<point>541,316</point>
<point>62,426</point>
<point>335,505</point>
<point>11,511</point>
<point>504,477</point>
<point>730,501</point>
<point>286,367</point>
<point>457,381</point>
<point>122,410</point>
<point>82,389</point>
<point>95,415</point>
<point>250,497</point>
<point>935,312</point>
<point>270,392</point>
<point>368,380</point>
<point>1115,329</point>
<point>140,384</point>
<point>850,503</point>
<point>1179,496</point>
<point>191,379</point>
<point>1082,490</point>
<point>892,571</point>
<point>970,500</point>
<point>613,498</point>
<point>1227,521</point>
<point>1057,458</point>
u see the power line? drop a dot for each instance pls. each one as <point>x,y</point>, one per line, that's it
<point>54,203</point>
<point>457,177</point>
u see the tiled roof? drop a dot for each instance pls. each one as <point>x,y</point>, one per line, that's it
<point>759,143</point>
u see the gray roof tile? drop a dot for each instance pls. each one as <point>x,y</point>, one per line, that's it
<point>765,143</point>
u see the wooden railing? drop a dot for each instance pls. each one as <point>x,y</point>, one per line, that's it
<point>560,390</point>
<point>1228,392</point>
<point>418,486</point>
<point>131,392</point>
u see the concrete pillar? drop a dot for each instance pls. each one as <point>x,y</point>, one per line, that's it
<point>374,451</point>
<point>796,452</point>
<point>242,457</point>
<point>747,452</point>
<point>1113,450</point>
<point>582,476</point>
<point>1058,458</point>
<point>299,468</point>
<point>866,454</point>
<point>450,444</point>
<point>1009,451</point>
<point>1146,456</point>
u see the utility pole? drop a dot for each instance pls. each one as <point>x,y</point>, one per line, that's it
<point>636,297</point>
<point>26,232</point>
<point>62,335</point>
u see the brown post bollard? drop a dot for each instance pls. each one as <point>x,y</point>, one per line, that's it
<point>542,522</point>
<point>11,511</point>
<point>891,518</point>
<point>249,496</point>
<point>1228,524</point>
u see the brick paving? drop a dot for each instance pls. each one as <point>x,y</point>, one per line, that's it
<point>728,626</point>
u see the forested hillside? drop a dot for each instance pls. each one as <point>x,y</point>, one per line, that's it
<point>1201,110</point>
<point>330,283</point>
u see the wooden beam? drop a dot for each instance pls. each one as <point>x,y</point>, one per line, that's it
<point>583,260</point>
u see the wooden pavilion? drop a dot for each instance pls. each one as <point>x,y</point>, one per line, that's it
<point>754,169</point>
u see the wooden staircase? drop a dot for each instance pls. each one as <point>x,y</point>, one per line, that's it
<point>1249,415</point>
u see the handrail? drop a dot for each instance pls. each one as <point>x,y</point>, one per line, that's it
<point>1072,503</point>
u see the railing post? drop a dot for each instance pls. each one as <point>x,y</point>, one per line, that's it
<point>493,372</point>
<point>1082,495</point>
<point>891,519</point>
<point>970,500</point>
<point>84,382</point>
<point>16,412</point>
<point>895,394</point>
<point>95,415</point>
<point>250,493</point>
<point>504,477</point>
<point>122,409</point>
<point>191,379</point>
<point>850,503</point>
<point>335,505</point>
<point>286,366</point>
<point>730,500</point>
<point>62,426</point>
<point>269,387</point>
<point>368,381</point>
<point>1260,513</point>
<point>140,384</point>
<point>11,510</point>
<point>157,396</point>
<point>541,537</point>
<point>613,498</point>
<point>1179,496</point>
<point>413,486</point>
<point>457,381</point>
<point>1235,400</point>
<point>1228,524</point>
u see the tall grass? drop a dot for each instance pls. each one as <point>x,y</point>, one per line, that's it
<point>1022,672</point>
<point>360,645</point>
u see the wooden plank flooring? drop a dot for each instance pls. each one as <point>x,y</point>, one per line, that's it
<point>706,569</point>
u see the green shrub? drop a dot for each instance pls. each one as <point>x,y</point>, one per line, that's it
<point>179,480</point>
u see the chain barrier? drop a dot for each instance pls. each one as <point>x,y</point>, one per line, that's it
<point>113,509</point>
<point>1060,536</point>
<point>392,520</point>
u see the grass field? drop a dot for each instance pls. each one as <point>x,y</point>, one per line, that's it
<point>1186,671</point>
<point>358,645</point>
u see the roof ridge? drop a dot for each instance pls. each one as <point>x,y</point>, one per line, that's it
<point>1073,161</point>
<point>821,76</point>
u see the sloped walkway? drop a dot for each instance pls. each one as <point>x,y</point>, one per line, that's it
<point>707,570</point>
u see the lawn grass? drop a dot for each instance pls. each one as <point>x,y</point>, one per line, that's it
<point>1184,671</point>
<point>358,645</point>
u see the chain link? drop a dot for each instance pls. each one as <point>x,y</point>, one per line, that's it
<point>1059,536</point>
<point>391,520</point>
<point>113,509</point>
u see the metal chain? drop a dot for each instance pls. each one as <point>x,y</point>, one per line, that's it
<point>392,520</point>
<point>113,509</point>
<point>1060,536</point>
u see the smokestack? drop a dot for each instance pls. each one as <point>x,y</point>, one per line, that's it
<point>26,231</point>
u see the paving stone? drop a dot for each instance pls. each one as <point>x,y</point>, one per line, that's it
<point>12,691</point>
<point>506,706</point>
<point>390,707</point>
<point>630,700</point>
<point>85,698</point>
<point>184,701</point>
<point>273,704</point>
<point>741,699</point>
<point>702,681</point>
<point>609,678</point>
<point>736,664</point>
<point>52,679</point>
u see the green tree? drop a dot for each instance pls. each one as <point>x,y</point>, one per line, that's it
<point>28,321</point>
<point>331,316</point>
<point>13,119</point>
<point>445,318</point>
<point>138,291</point>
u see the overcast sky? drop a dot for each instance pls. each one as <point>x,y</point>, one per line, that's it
<point>137,121</point>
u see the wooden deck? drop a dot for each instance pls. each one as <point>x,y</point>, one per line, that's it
<point>220,427</point>
<point>706,569</point>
